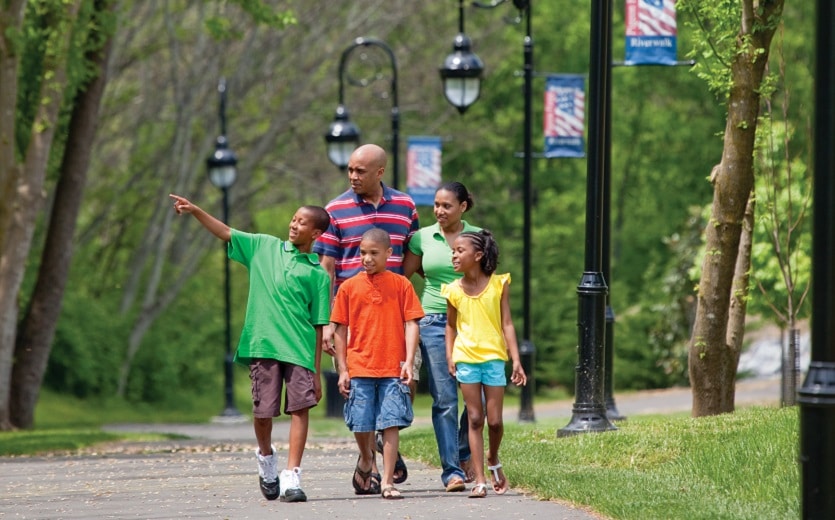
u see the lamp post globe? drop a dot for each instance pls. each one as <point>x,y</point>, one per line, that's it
<point>461,74</point>
<point>221,165</point>
<point>342,138</point>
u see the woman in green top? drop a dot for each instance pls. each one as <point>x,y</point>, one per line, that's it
<point>430,254</point>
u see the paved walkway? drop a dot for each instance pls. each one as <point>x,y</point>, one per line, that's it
<point>213,475</point>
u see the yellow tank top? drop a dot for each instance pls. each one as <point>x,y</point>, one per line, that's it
<point>480,337</point>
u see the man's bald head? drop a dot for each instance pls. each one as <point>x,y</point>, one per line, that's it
<point>372,155</point>
<point>365,171</point>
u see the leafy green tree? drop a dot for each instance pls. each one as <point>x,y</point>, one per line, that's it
<point>158,282</point>
<point>53,55</point>
<point>733,52</point>
<point>36,51</point>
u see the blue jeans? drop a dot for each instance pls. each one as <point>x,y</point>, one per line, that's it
<point>444,391</point>
<point>377,403</point>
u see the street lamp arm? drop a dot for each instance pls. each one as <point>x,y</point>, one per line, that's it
<point>395,107</point>
<point>368,42</point>
<point>523,6</point>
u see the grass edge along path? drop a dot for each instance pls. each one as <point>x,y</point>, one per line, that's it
<point>733,466</point>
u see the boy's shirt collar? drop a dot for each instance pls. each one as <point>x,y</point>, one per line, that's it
<point>289,247</point>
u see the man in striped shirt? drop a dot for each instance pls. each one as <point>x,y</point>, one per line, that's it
<point>368,203</point>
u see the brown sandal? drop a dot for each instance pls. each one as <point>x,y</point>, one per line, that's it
<point>364,476</point>
<point>391,493</point>
<point>455,484</point>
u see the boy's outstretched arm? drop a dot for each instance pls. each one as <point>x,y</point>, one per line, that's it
<point>218,228</point>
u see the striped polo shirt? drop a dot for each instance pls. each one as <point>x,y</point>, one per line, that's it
<point>351,217</point>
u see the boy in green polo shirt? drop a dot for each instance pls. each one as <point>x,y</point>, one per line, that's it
<point>288,304</point>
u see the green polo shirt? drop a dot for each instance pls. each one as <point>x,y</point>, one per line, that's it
<point>288,297</point>
<point>429,243</point>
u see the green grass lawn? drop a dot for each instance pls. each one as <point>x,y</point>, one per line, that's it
<point>735,466</point>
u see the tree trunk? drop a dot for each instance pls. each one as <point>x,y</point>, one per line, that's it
<point>37,329</point>
<point>27,198</point>
<point>713,354</point>
<point>11,18</point>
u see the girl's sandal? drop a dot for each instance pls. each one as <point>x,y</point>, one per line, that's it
<point>479,491</point>
<point>500,485</point>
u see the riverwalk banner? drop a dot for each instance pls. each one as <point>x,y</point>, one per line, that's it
<point>565,108</point>
<point>650,32</point>
<point>423,168</point>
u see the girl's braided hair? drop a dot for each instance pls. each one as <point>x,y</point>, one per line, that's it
<point>484,242</point>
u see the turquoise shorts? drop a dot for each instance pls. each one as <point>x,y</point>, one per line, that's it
<point>489,373</point>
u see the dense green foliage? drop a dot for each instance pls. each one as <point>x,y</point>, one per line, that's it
<point>140,275</point>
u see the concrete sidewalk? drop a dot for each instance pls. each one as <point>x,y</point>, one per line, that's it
<point>213,474</point>
<point>196,479</point>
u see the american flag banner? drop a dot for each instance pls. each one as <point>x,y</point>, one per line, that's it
<point>565,111</point>
<point>423,168</point>
<point>651,32</point>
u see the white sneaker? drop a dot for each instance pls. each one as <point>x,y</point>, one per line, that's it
<point>290,485</point>
<point>268,473</point>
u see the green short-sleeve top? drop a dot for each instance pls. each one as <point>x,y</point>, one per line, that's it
<point>288,297</point>
<point>429,243</point>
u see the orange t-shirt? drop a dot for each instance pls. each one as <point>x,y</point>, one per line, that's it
<point>375,309</point>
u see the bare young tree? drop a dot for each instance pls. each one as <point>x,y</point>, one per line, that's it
<point>782,270</point>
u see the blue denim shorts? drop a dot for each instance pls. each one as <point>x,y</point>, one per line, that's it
<point>377,403</point>
<point>489,373</point>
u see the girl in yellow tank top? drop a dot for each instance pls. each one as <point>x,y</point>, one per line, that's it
<point>480,338</point>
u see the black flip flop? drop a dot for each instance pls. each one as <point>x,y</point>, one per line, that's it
<point>374,483</point>
<point>400,467</point>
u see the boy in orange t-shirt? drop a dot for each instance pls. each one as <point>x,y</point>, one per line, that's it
<point>376,315</point>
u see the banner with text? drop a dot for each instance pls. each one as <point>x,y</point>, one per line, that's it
<point>423,169</point>
<point>565,107</point>
<point>650,32</point>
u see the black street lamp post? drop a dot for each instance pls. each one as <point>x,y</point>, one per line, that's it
<point>609,349</point>
<point>817,395</point>
<point>221,168</point>
<point>343,135</point>
<point>461,75</point>
<point>589,412</point>
<point>526,349</point>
